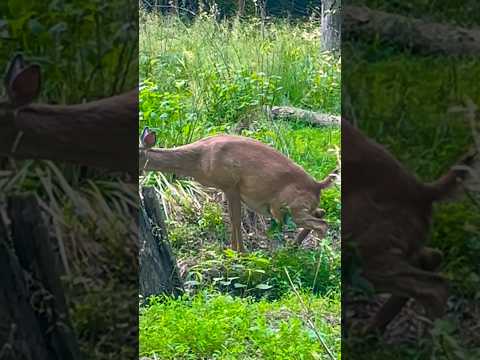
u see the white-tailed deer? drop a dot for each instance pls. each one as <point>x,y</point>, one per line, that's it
<point>98,133</point>
<point>386,216</point>
<point>245,170</point>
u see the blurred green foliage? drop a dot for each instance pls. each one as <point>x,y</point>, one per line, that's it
<point>86,49</point>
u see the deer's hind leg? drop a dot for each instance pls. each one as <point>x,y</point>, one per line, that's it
<point>235,211</point>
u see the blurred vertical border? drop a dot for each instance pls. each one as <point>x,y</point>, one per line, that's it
<point>68,230</point>
<point>410,82</point>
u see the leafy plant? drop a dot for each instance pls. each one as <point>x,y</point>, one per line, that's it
<point>212,325</point>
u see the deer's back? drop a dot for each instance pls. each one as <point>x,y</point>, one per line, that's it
<point>233,161</point>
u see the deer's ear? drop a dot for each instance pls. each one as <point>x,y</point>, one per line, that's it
<point>148,138</point>
<point>22,83</point>
<point>145,131</point>
<point>14,67</point>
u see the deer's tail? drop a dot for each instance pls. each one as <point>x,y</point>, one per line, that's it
<point>329,180</point>
<point>442,188</point>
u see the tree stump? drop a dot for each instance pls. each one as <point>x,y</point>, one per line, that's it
<point>35,322</point>
<point>158,268</point>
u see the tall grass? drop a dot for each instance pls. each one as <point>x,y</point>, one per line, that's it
<point>216,72</point>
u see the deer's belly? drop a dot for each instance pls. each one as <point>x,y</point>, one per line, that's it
<point>259,207</point>
<point>208,182</point>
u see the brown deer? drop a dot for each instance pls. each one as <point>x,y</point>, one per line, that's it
<point>245,170</point>
<point>386,217</point>
<point>98,133</point>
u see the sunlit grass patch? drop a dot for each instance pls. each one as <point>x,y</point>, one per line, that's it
<point>216,326</point>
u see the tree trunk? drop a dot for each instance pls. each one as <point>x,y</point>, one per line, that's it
<point>419,36</point>
<point>241,8</point>
<point>175,9</point>
<point>158,268</point>
<point>331,22</point>
<point>35,321</point>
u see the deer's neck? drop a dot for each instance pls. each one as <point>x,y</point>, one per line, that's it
<point>179,161</point>
<point>101,133</point>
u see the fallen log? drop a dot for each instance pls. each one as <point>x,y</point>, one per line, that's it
<point>421,37</point>
<point>315,118</point>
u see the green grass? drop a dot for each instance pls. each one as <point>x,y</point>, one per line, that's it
<point>403,101</point>
<point>262,275</point>
<point>205,77</point>
<point>216,326</point>
<point>82,51</point>
<point>223,68</point>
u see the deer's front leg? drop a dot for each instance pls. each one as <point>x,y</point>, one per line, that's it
<point>301,236</point>
<point>319,213</point>
<point>394,274</point>
<point>309,222</point>
<point>235,211</point>
<point>427,259</point>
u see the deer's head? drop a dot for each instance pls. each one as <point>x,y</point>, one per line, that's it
<point>148,140</point>
<point>22,85</point>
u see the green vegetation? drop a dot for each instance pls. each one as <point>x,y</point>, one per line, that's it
<point>75,64</point>
<point>206,77</point>
<point>217,326</point>
<point>262,275</point>
<point>209,76</point>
